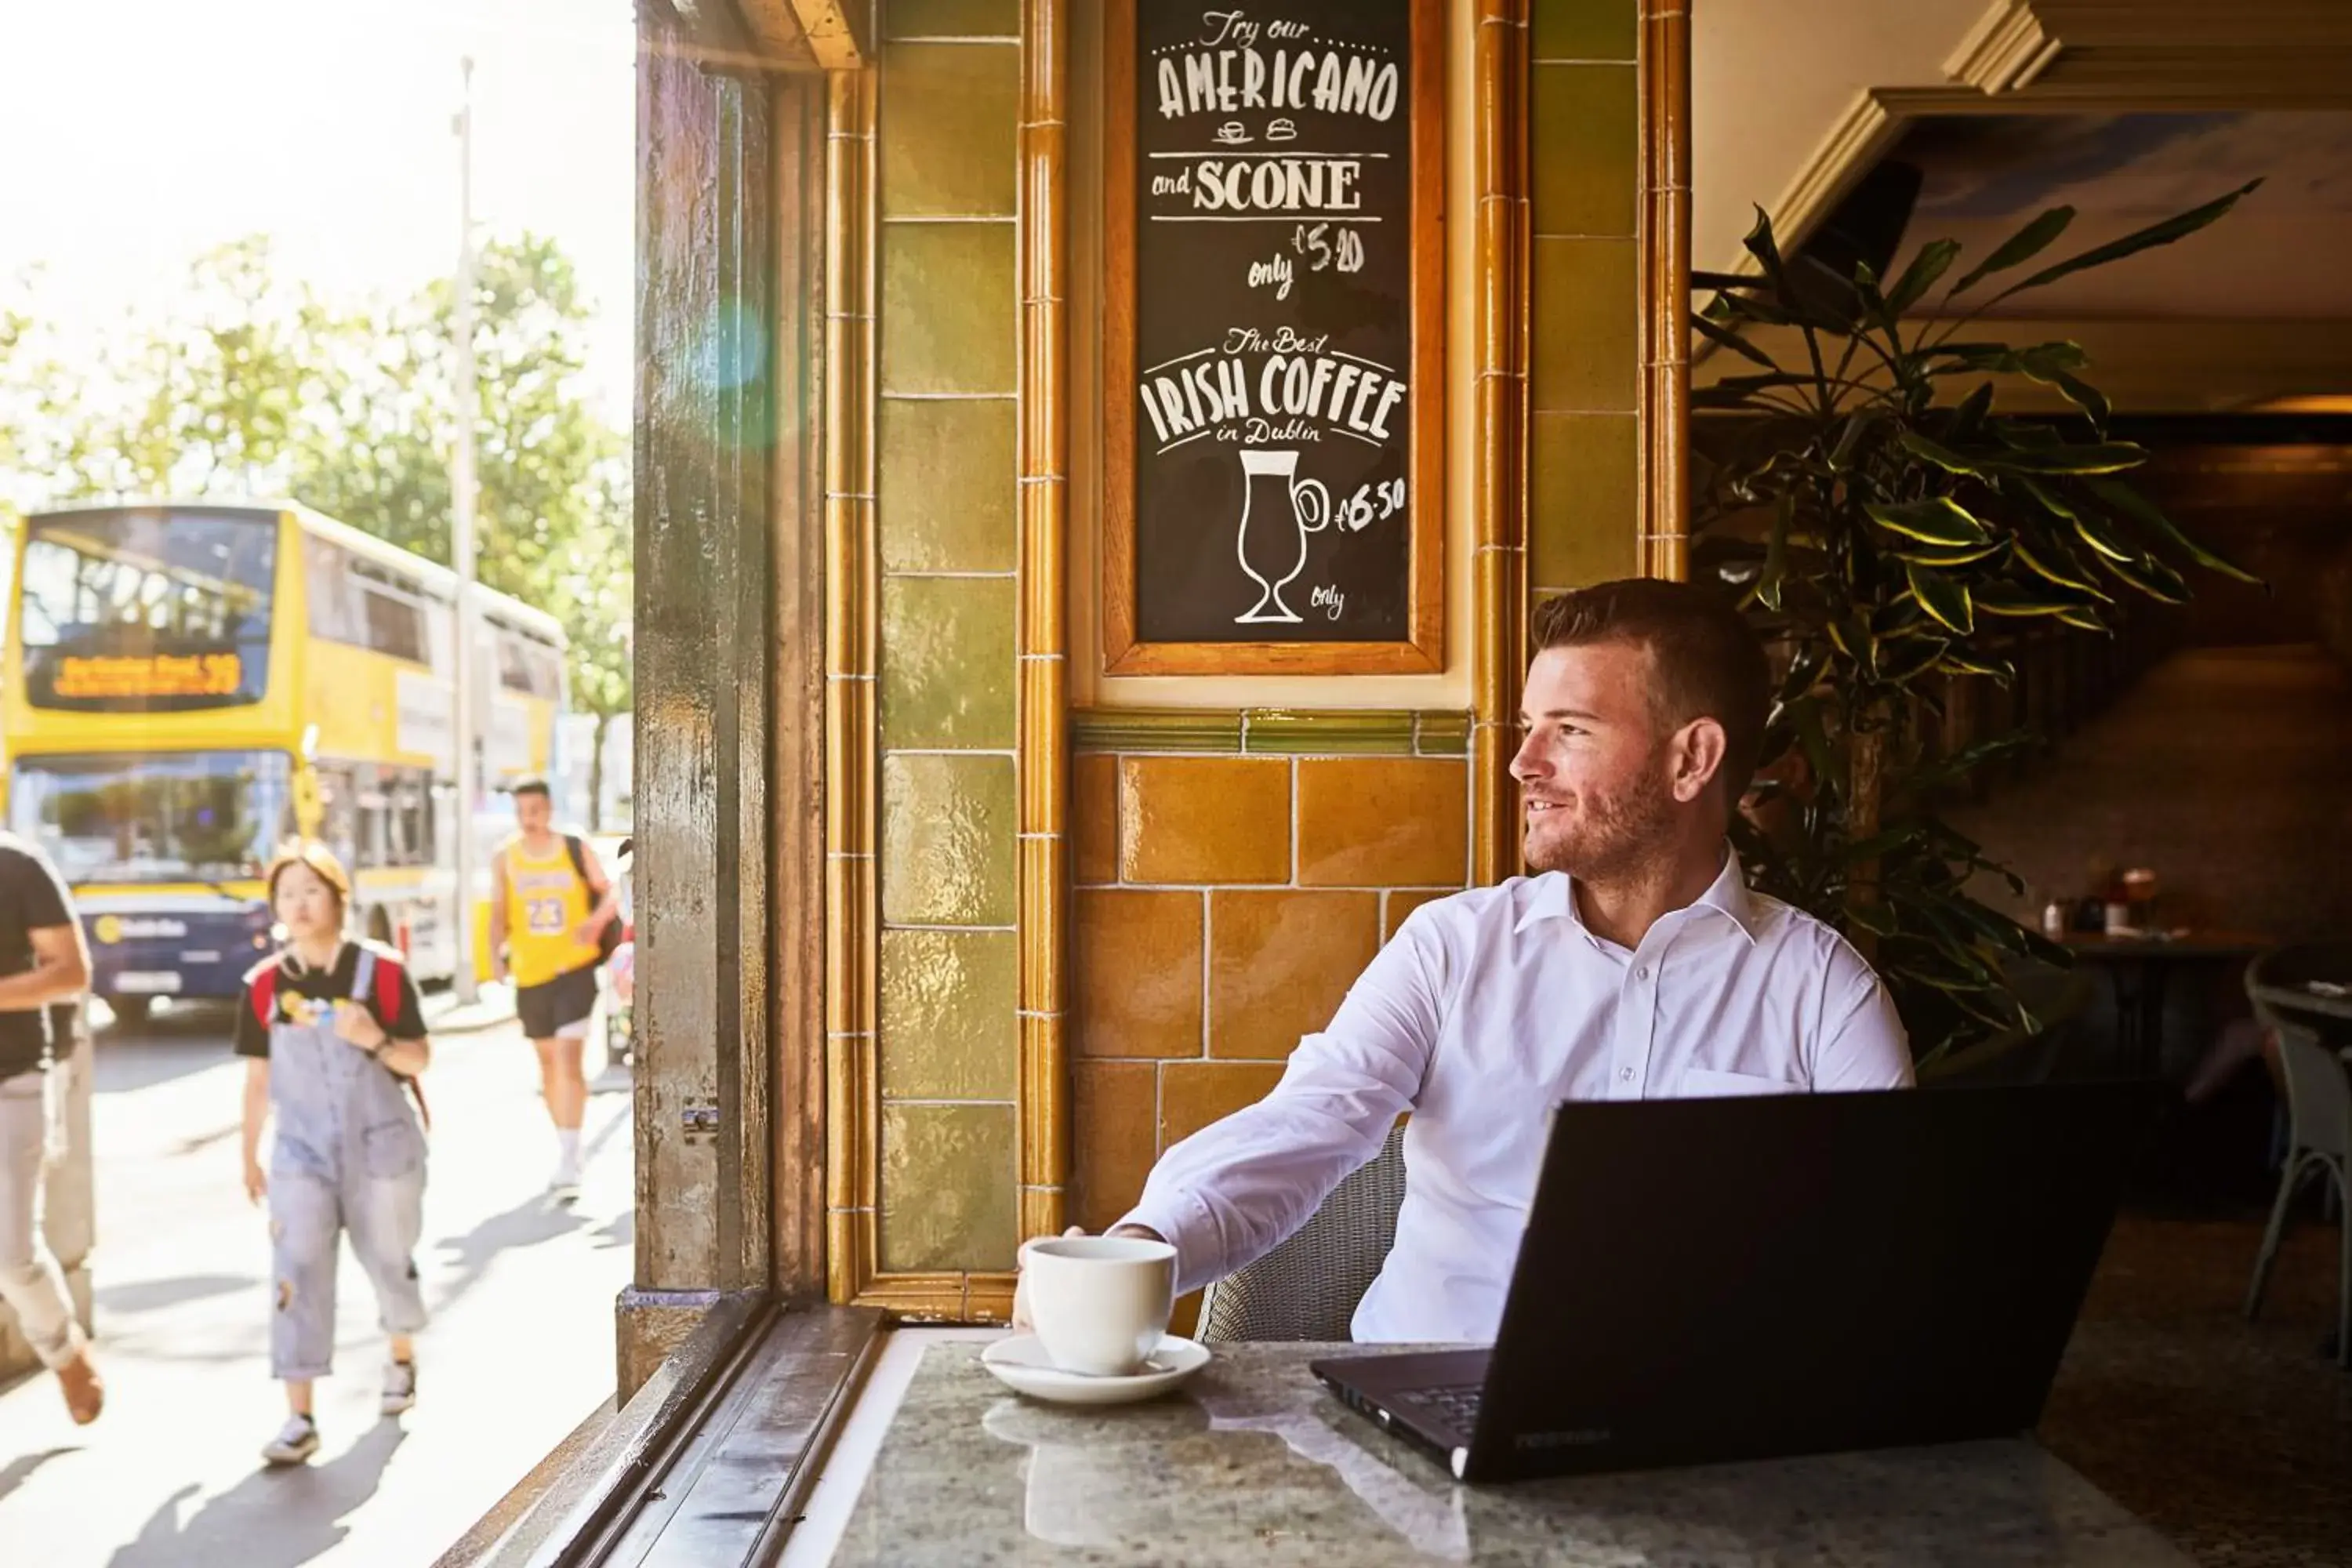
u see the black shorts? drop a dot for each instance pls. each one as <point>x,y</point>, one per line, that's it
<point>558,1006</point>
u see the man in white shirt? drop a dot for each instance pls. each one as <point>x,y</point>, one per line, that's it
<point>1635,965</point>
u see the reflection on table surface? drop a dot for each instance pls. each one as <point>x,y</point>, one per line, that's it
<point>1254,1463</point>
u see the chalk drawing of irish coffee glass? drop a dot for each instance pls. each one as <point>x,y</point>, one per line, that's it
<point>1279,510</point>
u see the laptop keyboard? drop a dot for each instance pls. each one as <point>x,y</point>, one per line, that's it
<point>1457,1402</point>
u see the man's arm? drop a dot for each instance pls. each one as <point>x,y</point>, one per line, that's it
<point>61,969</point>
<point>498,914</point>
<point>1229,1194</point>
<point>606,892</point>
<point>1862,1043</point>
<point>257,1114</point>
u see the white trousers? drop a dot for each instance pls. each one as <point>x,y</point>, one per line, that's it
<point>30,1281</point>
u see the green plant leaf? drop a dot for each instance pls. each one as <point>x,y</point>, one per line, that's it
<point>1967,419</point>
<point>1942,597</point>
<point>2018,604</point>
<point>1776,554</point>
<point>2024,245</point>
<point>1724,337</point>
<point>2141,511</point>
<point>2156,234</point>
<point>1907,661</point>
<point>1851,435</point>
<point>2063,576</point>
<point>2051,502</point>
<point>1935,258</point>
<point>1997,670</point>
<point>2091,457</point>
<point>1758,243</point>
<point>2045,359</point>
<point>2152,577</point>
<point>2085,397</point>
<point>1939,519</point>
<point>1929,449</point>
<point>1945,558</point>
<point>2087,619</point>
<point>2095,534</point>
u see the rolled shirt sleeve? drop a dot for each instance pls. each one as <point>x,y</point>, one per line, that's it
<point>1860,1043</point>
<point>1231,1192</point>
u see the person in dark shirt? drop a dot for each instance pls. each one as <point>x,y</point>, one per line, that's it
<point>44,970</point>
<point>333,1039</point>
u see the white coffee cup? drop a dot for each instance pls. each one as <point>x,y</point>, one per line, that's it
<point>1099,1304</point>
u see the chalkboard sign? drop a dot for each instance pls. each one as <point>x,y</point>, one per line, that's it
<point>1274,477</point>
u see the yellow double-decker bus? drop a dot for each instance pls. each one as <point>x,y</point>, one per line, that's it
<point>188,683</point>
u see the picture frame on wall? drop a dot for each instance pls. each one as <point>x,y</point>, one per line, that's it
<point>1273,339</point>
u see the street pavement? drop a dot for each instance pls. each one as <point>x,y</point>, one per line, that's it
<point>520,1351</point>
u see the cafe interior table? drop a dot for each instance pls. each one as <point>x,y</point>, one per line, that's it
<point>2141,966</point>
<point>1252,1462</point>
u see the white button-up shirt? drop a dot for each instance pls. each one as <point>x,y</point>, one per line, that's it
<point>1482,1012</point>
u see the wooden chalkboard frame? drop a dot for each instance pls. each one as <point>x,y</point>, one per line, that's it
<point>1422,651</point>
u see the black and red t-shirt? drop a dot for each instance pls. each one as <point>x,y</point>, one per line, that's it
<point>293,988</point>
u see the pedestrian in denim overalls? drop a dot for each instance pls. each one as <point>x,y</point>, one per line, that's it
<point>334,1041</point>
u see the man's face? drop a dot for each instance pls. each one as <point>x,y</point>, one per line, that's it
<point>533,812</point>
<point>1594,767</point>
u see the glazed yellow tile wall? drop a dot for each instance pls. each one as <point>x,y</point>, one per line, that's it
<point>1225,904</point>
<point>1584,471</point>
<point>946,502</point>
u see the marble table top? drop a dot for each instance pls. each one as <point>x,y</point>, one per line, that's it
<point>1252,1462</point>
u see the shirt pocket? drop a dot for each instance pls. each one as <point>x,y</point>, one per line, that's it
<point>1705,1083</point>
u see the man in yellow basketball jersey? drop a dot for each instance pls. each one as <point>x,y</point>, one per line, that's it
<point>550,905</point>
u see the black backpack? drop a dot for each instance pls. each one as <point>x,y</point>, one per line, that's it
<point>608,935</point>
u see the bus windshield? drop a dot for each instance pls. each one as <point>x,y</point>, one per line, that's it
<point>147,611</point>
<point>154,817</point>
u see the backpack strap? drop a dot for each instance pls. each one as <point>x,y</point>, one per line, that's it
<point>261,988</point>
<point>378,976</point>
<point>363,976</point>
<point>387,987</point>
<point>577,852</point>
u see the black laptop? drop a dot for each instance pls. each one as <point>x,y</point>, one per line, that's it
<point>1709,1279</point>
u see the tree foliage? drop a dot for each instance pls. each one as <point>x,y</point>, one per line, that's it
<point>250,387</point>
<point>1888,536</point>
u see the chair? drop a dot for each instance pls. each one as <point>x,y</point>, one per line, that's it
<point>2319,1137</point>
<point>1308,1286</point>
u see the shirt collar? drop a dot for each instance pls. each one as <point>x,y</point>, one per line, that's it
<point>1727,895</point>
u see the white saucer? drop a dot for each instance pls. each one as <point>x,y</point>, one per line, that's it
<point>1021,1364</point>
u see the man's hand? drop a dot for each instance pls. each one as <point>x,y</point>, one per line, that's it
<point>498,965</point>
<point>1021,1324</point>
<point>585,933</point>
<point>257,1185</point>
<point>357,1026</point>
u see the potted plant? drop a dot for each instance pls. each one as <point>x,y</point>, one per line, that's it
<point>1888,528</point>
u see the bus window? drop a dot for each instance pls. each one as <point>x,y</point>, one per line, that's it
<point>147,611</point>
<point>361,604</point>
<point>153,816</point>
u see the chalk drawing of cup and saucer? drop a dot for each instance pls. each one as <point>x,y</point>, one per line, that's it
<point>1232,133</point>
<point>1279,510</point>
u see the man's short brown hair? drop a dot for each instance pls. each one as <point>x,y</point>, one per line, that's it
<point>1709,661</point>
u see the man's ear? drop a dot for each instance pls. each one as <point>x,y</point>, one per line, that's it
<point>1697,756</point>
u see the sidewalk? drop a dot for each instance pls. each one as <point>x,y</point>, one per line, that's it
<point>519,1350</point>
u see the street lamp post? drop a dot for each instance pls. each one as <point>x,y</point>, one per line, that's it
<point>462,547</point>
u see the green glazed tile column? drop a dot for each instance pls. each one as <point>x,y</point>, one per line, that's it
<point>1584,448</point>
<point>946,508</point>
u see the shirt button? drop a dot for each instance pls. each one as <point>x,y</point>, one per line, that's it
<point>1642,973</point>
<point>1624,1075</point>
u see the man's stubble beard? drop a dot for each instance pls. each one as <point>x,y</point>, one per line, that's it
<point>1619,834</point>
